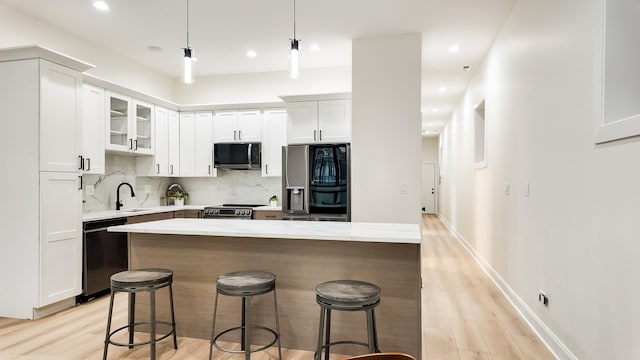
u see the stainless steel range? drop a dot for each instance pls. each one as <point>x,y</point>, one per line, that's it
<point>230,211</point>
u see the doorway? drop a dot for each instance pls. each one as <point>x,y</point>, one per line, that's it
<point>428,188</point>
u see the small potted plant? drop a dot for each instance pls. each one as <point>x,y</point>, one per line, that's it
<point>273,201</point>
<point>179,196</point>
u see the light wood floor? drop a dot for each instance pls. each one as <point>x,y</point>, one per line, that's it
<point>464,317</point>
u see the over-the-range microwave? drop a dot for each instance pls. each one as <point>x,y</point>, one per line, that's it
<point>236,156</point>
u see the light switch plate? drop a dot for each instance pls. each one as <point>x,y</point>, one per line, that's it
<point>89,190</point>
<point>147,189</point>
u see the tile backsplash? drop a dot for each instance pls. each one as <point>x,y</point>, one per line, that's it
<point>237,186</point>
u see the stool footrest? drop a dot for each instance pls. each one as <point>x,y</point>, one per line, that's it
<point>214,342</point>
<point>133,326</point>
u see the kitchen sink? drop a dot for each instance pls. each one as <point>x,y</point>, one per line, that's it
<point>135,210</point>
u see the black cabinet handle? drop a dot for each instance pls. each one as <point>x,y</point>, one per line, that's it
<point>81,164</point>
<point>320,135</point>
<point>266,169</point>
<point>80,177</point>
<point>171,168</point>
<point>239,134</point>
<point>234,135</point>
<point>130,144</point>
<point>157,169</point>
<point>314,135</point>
<point>209,169</point>
<point>88,164</point>
<point>136,142</point>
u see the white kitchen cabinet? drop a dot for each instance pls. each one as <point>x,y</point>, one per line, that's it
<point>237,126</point>
<point>196,144</point>
<point>60,271</point>
<point>274,137</point>
<point>322,121</point>
<point>174,142</point>
<point>130,125</point>
<point>60,118</point>
<point>204,144</point>
<point>158,164</point>
<point>40,265</point>
<point>93,115</point>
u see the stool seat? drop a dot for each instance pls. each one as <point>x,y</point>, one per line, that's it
<point>347,293</point>
<point>246,283</point>
<point>141,278</point>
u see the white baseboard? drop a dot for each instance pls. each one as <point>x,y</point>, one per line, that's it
<point>53,308</point>
<point>548,338</point>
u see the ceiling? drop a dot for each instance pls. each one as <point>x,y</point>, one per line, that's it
<point>222,31</point>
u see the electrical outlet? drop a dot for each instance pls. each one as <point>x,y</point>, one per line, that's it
<point>147,189</point>
<point>543,298</point>
<point>507,189</point>
<point>403,189</point>
<point>527,189</point>
<point>89,190</point>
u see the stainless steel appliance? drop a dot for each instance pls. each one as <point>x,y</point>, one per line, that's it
<point>236,156</point>
<point>230,211</point>
<point>103,254</point>
<point>316,182</point>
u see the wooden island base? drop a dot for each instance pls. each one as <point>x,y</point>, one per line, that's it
<point>299,265</point>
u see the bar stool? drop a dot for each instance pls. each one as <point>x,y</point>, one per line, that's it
<point>132,282</point>
<point>245,284</point>
<point>346,295</point>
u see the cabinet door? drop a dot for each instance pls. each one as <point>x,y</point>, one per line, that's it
<point>118,113</point>
<point>274,138</point>
<point>225,126</point>
<point>60,275</point>
<point>187,144</point>
<point>161,142</point>
<point>142,127</point>
<point>334,121</point>
<point>60,118</point>
<point>204,144</point>
<point>249,125</point>
<point>302,122</point>
<point>174,143</point>
<point>93,115</point>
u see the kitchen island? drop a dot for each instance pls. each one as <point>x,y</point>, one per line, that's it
<point>301,254</point>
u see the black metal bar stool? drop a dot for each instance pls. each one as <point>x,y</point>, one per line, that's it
<point>132,282</point>
<point>245,284</point>
<point>346,295</point>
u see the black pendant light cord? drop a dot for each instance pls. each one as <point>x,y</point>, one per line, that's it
<point>294,20</point>
<point>187,24</point>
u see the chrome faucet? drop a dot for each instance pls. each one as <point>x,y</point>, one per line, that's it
<point>118,203</point>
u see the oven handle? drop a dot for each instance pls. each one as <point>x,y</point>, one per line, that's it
<point>249,153</point>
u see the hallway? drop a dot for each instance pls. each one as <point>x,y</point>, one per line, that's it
<point>464,315</point>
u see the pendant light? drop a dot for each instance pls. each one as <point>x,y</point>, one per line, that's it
<point>187,60</point>
<point>294,55</point>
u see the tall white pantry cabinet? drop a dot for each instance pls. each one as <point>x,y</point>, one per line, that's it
<point>41,257</point>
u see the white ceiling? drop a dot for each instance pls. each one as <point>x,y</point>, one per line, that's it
<point>221,32</point>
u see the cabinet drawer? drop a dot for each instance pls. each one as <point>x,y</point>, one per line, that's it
<point>191,214</point>
<point>267,215</point>
<point>150,217</point>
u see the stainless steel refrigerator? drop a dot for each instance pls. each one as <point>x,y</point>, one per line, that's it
<point>316,182</point>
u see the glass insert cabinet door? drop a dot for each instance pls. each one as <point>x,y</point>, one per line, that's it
<point>130,124</point>
<point>118,121</point>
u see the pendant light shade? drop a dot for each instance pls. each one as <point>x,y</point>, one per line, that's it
<point>188,61</point>
<point>294,60</point>
<point>294,55</point>
<point>187,67</point>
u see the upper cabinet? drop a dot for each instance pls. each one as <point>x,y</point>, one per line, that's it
<point>130,124</point>
<point>60,118</point>
<point>319,121</point>
<point>196,144</point>
<point>174,142</point>
<point>93,116</point>
<point>237,126</point>
<point>274,137</point>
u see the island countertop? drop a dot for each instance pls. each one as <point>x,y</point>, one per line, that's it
<point>281,229</point>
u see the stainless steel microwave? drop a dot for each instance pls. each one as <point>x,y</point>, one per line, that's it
<point>237,156</point>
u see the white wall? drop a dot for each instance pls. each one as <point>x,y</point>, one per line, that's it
<point>386,129</point>
<point>261,87</point>
<point>430,149</point>
<point>18,29</point>
<point>576,235</point>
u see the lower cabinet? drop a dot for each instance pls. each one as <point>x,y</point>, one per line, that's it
<point>60,271</point>
<point>149,217</point>
<point>267,215</point>
<point>191,214</point>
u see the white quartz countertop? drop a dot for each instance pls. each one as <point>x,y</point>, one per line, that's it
<point>112,214</point>
<point>281,229</point>
<point>268,208</point>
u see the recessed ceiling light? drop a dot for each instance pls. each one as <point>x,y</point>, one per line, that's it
<point>442,90</point>
<point>314,47</point>
<point>430,124</point>
<point>454,48</point>
<point>434,109</point>
<point>101,5</point>
<point>251,54</point>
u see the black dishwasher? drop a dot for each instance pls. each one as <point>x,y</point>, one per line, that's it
<point>103,254</point>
